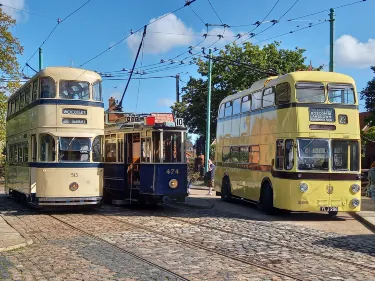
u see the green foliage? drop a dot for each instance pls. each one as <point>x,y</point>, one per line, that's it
<point>368,94</point>
<point>9,49</point>
<point>228,79</point>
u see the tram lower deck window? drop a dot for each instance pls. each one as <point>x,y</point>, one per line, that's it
<point>172,147</point>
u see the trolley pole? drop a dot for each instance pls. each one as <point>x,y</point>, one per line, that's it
<point>331,38</point>
<point>177,87</point>
<point>40,59</point>
<point>208,126</point>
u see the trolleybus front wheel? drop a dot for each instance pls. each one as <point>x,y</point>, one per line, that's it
<point>266,199</point>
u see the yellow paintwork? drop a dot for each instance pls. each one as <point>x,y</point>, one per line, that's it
<point>287,123</point>
<point>47,118</point>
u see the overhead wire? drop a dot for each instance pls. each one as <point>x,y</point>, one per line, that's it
<point>188,3</point>
<point>215,11</point>
<point>58,23</point>
<point>26,11</point>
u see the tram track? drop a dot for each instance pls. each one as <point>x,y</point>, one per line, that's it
<point>177,276</point>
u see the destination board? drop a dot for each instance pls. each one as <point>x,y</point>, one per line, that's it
<point>322,115</point>
<point>74,111</point>
<point>74,121</point>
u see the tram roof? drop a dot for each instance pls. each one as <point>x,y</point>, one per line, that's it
<point>318,76</point>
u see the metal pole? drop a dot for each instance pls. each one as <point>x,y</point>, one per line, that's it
<point>178,88</point>
<point>40,59</point>
<point>208,127</point>
<point>331,38</point>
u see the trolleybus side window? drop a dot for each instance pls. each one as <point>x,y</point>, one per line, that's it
<point>279,163</point>
<point>22,100</point>
<point>234,154</point>
<point>34,148</point>
<point>246,104</point>
<point>20,152</point>
<point>47,148</point>
<point>35,90</point>
<point>74,149</point>
<point>236,106</point>
<point>268,97</point>
<point>110,150</point>
<point>97,149</point>
<point>313,154</point>
<point>345,155</point>
<point>13,110</point>
<point>172,145</point>
<point>74,90</point>
<point>97,91</point>
<point>254,154</point>
<point>228,109</point>
<point>17,104</point>
<point>25,152</point>
<point>256,100</point>
<point>221,111</point>
<point>282,93</point>
<point>226,154</point>
<point>289,154</point>
<point>341,93</point>
<point>310,92</point>
<point>47,88</point>
<point>244,154</point>
<point>27,94</point>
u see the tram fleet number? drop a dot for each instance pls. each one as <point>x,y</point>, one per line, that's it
<point>74,175</point>
<point>172,171</point>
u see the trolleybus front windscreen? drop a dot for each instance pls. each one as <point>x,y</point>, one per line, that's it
<point>74,149</point>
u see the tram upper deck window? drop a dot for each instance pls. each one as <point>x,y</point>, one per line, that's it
<point>341,93</point>
<point>47,148</point>
<point>47,88</point>
<point>74,149</point>
<point>97,91</point>
<point>74,90</point>
<point>310,92</point>
<point>172,145</point>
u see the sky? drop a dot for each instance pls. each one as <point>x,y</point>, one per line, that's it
<point>98,25</point>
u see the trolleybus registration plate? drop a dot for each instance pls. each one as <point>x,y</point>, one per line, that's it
<point>329,209</point>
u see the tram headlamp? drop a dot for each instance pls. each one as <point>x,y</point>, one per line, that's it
<point>355,188</point>
<point>173,183</point>
<point>303,187</point>
<point>355,202</point>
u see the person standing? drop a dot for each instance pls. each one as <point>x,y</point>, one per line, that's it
<point>371,178</point>
<point>211,169</point>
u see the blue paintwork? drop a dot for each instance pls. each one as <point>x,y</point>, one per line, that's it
<point>162,178</point>
<point>114,176</point>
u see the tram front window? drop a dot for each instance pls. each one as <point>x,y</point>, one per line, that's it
<point>313,154</point>
<point>172,145</point>
<point>74,149</point>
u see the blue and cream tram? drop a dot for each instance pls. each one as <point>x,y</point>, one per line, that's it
<point>144,161</point>
<point>54,139</point>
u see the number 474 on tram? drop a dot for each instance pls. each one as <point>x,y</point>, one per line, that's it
<point>145,161</point>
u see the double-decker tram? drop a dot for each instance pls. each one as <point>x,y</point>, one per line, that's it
<point>54,135</point>
<point>291,142</point>
<point>145,160</point>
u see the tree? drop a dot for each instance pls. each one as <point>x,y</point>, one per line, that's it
<point>230,78</point>
<point>9,49</point>
<point>368,94</point>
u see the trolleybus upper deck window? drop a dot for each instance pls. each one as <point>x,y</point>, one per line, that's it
<point>221,111</point>
<point>313,154</point>
<point>310,92</point>
<point>228,109</point>
<point>74,90</point>
<point>268,97</point>
<point>47,88</point>
<point>27,94</point>
<point>282,93</point>
<point>246,104</point>
<point>236,106</point>
<point>341,93</point>
<point>97,91</point>
<point>256,100</point>
<point>74,149</point>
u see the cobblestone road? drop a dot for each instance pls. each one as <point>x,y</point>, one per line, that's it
<point>168,244</point>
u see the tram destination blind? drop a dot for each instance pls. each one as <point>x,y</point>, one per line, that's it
<point>74,121</point>
<point>322,114</point>
<point>74,111</point>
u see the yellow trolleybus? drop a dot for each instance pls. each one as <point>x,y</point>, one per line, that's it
<point>291,142</point>
<point>55,130</point>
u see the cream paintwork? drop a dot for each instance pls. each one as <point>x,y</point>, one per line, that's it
<point>265,126</point>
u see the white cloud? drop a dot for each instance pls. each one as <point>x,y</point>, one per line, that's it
<point>351,52</point>
<point>17,4</point>
<point>158,40</point>
<point>165,102</point>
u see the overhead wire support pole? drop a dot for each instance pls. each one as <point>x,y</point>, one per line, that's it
<point>177,87</point>
<point>208,126</point>
<point>119,106</point>
<point>331,38</point>
<point>40,59</point>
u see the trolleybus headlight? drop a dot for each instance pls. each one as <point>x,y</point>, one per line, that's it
<point>355,202</point>
<point>355,188</point>
<point>303,187</point>
<point>173,183</point>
